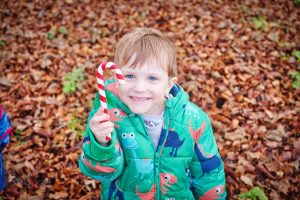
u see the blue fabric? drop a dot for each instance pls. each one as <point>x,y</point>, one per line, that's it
<point>4,139</point>
<point>2,173</point>
<point>174,90</point>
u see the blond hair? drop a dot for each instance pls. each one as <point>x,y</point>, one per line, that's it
<point>142,44</point>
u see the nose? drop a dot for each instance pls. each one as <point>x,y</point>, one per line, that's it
<point>139,86</point>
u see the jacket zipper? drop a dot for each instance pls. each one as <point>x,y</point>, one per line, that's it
<point>157,154</point>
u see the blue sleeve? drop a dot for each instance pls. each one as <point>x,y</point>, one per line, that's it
<point>5,129</point>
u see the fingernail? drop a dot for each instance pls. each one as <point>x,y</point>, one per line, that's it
<point>107,138</point>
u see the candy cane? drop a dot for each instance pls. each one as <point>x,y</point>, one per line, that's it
<point>114,68</point>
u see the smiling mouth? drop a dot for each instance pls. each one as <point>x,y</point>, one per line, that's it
<point>139,98</point>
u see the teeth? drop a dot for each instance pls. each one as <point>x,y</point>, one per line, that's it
<point>139,98</point>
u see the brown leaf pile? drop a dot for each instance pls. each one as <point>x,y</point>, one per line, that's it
<point>237,73</point>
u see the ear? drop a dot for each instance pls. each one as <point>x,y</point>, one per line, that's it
<point>172,81</point>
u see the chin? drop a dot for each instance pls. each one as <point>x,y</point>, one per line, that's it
<point>138,111</point>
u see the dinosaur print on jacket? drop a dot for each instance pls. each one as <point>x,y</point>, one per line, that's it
<point>207,163</point>
<point>144,167</point>
<point>128,141</point>
<point>171,141</point>
<point>97,167</point>
<point>166,181</point>
<point>112,189</point>
<point>150,195</point>
<point>196,134</point>
<point>213,194</point>
<point>116,115</point>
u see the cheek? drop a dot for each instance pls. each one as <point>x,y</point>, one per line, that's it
<point>161,91</point>
<point>122,88</point>
<point>166,89</point>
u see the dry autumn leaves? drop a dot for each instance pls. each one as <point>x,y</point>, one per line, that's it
<point>239,61</point>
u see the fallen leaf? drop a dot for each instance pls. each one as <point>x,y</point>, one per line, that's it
<point>59,195</point>
<point>246,180</point>
<point>238,134</point>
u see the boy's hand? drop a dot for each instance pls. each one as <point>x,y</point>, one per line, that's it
<point>101,126</point>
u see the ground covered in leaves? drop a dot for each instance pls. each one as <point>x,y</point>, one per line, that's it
<point>235,60</point>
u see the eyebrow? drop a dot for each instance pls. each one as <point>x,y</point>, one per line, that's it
<point>153,74</point>
<point>130,70</point>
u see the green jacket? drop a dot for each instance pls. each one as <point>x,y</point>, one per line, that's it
<point>185,165</point>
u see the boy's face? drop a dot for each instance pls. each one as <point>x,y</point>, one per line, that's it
<point>145,88</point>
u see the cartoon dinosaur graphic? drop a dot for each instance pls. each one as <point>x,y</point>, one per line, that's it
<point>112,189</point>
<point>144,167</point>
<point>207,164</point>
<point>171,141</point>
<point>147,195</point>
<point>213,193</point>
<point>192,110</point>
<point>166,180</point>
<point>128,140</point>
<point>116,115</point>
<point>196,134</point>
<point>206,155</point>
<point>98,167</point>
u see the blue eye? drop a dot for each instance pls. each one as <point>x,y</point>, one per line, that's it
<point>152,78</point>
<point>129,76</point>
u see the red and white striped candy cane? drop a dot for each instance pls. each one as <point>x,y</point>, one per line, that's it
<point>114,68</point>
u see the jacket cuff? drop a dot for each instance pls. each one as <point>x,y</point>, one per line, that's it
<point>102,152</point>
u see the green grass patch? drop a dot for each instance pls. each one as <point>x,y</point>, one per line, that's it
<point>51,35</point>
<point>296,53</point>
<point>62,30</point>
<point>75,125</point>
<point>72,80</point>
<point>296,79</point>
<point>260,23</point>
<point>2,43</point>
<point>255,193</point>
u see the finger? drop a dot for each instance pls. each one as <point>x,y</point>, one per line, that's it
<point>105,125</point>
<point>100,111</point>
<point>101,118</point>
<point>103,133</point>
<point>102,126</point>
<point>107,131</point>
<point>110,130</point>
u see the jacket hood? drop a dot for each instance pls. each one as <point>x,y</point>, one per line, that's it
<point>176,99</point>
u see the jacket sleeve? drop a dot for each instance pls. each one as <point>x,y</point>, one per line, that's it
<point>103,163</point>
<point>207,169</point>
<point>5,129</point>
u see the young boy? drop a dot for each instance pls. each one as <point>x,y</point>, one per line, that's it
<point>162,145</point>
<point>5,130</point>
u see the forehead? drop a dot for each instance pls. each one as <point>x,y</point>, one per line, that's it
<point>151,63</point>
<point>146,68</point>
